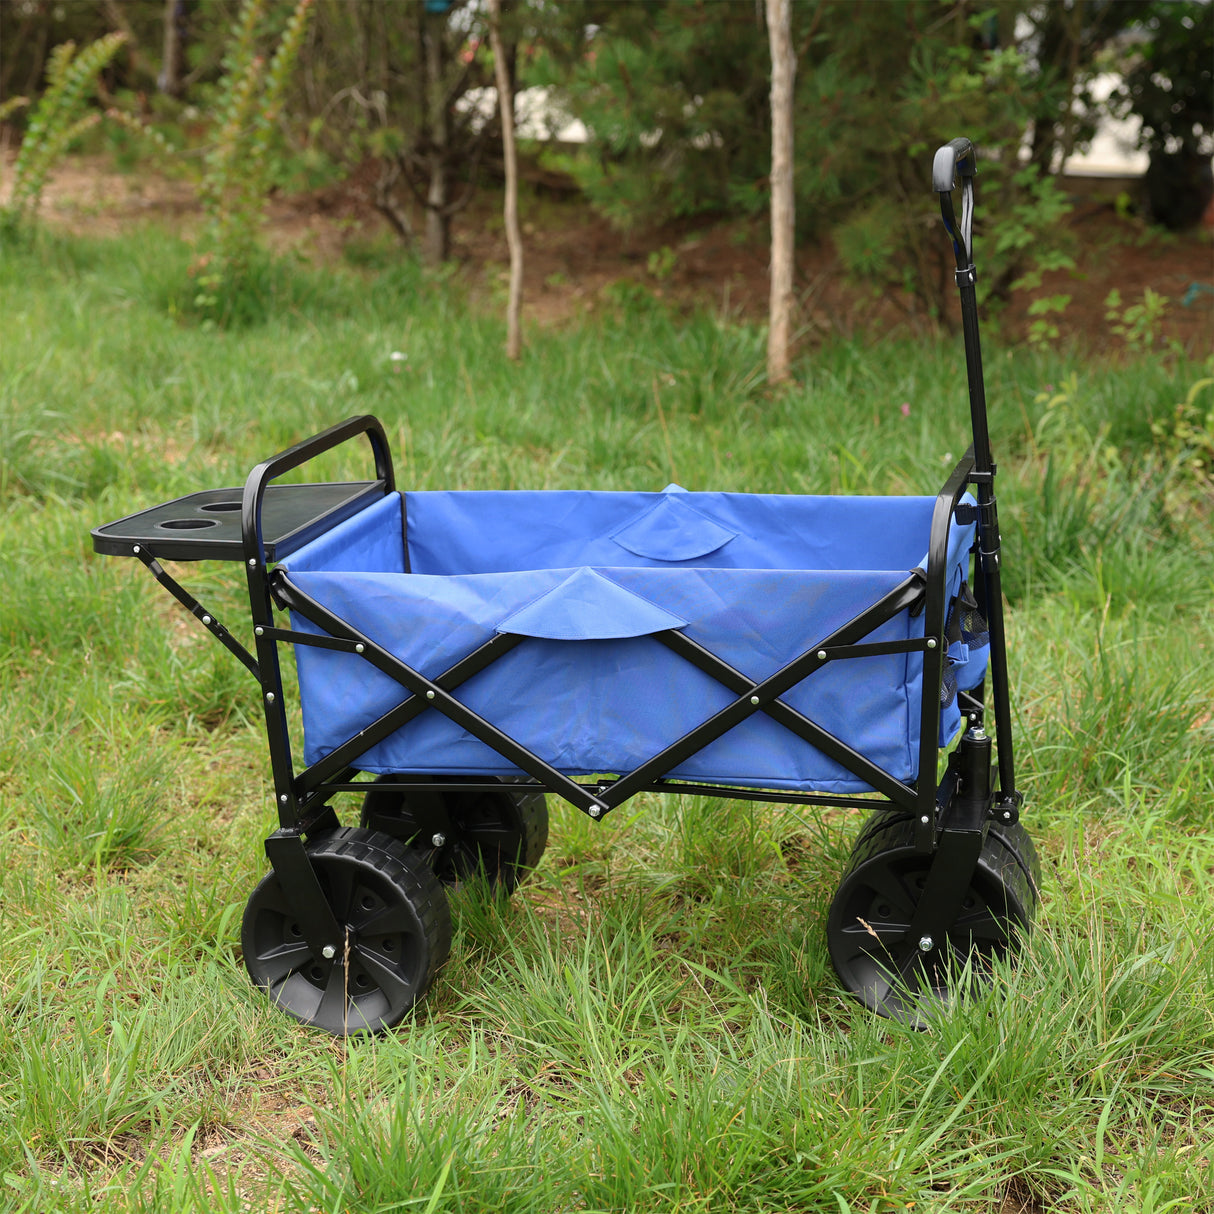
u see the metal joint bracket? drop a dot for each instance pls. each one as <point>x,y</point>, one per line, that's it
<point>1005,809</point>
<point>966,277</point>
<point>305,898</point>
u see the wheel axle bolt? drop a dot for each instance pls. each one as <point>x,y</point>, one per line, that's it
<point>328,952</point>
<point>926,944</point>
<point>438,839</point>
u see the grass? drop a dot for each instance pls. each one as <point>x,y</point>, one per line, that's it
<point>651,1023</point>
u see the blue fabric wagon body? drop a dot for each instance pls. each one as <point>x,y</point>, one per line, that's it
<point>587,579</point>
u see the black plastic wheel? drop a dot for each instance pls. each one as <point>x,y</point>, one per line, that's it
<point>461,834</point>
<point>397,934</point>
<point>868,930</point>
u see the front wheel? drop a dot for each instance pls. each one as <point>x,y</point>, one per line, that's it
<point>868,929</point>
<point>396,934</point>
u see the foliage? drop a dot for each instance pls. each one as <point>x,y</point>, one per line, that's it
<point>238,166</point>
<point>57,119</point>
<point>1070,45</point>
<point>1136,324</point>
<point>1169,84</point>
<point>675,98</point>
<point>1187,437</point>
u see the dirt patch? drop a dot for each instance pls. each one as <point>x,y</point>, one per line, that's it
<point>575,261</point>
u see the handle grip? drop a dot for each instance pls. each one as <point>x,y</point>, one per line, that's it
<point>957,158</point>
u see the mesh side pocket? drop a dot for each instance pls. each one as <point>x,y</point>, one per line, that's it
<point>969,642</point>
<point>948,686</point>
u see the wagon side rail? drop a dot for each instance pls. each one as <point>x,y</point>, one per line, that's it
<point>923,589</point>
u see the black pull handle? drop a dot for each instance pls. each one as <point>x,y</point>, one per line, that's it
<point>957,159</point>
<point>274,467</point>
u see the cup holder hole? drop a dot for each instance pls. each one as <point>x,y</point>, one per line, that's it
<point>188,524</point>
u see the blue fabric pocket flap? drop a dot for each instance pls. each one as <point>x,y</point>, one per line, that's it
<point>673,531</point>
<point>586,606</point>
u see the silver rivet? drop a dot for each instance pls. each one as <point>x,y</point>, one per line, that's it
<point>136,550</point>
<point>821,655</point>
<point>1007,817</point>
<point>269,697</point>
<point>282,797</point>
<point>925,819</point>
<point>259,631</point>
<point>429,695</point>
<point>359,647</point>
<point>926,944</point>
<point>206,619</point>
<point>438,839</point>
<point>754,699</point>
<point>595,811</point>
<point>328,952</point>
<point>252,562</point>
<point>931,642</point>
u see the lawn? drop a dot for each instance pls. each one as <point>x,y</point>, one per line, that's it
<point>651,1022</point>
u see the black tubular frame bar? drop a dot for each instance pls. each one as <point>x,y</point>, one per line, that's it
<point>261,605</point>
<point>302,798</point>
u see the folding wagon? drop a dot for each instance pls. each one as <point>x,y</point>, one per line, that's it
<point>461,654</point>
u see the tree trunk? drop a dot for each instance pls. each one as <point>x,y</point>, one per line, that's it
<point>174,51</point>
<point>436,244</point>
<point>783,209</point>
<point>514,239</point>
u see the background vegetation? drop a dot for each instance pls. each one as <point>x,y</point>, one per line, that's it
<point>674,97</point>
<point>651,1023</point>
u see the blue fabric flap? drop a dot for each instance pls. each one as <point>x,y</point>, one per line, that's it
<point>586,606</point>
<point>673,531</point>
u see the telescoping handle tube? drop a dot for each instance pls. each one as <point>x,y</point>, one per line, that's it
<point>954,160</point>
<point>957,160</point>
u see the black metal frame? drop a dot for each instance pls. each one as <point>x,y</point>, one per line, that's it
<point>950,818</point>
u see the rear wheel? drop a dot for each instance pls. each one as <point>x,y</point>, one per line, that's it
<point>396,933</point>
<point>499,832</point>
<point>868,930</point>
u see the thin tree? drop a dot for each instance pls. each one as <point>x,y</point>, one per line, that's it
<point>783,209</point>
<point>514,239</point>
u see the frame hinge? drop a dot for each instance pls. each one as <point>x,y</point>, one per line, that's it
<point>1005,809</point>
